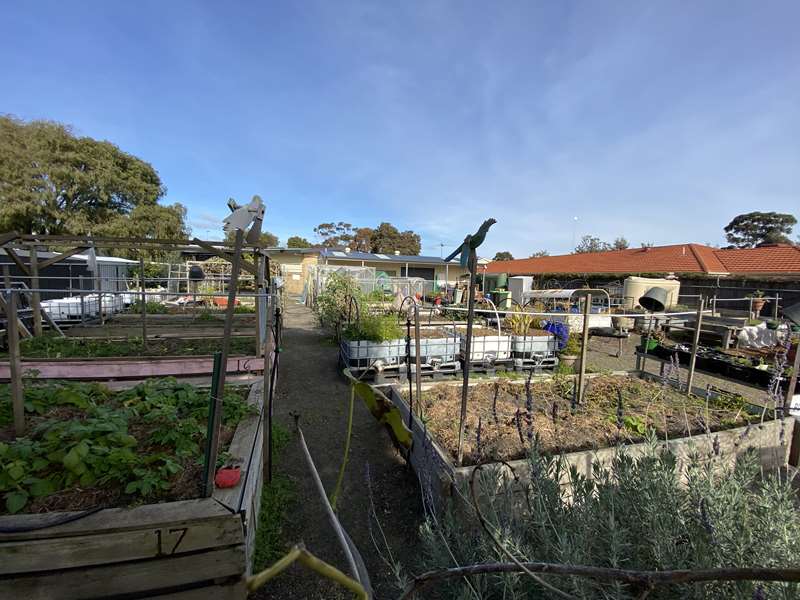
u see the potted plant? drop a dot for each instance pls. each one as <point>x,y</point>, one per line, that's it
<point>758,302</point>
<point>570,353</point>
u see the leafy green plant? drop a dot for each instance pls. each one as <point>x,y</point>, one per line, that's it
<point>374,328</point>
<point>573,345</point>
<point>136,440</point>
<point>152,307</point>
<point>519,322</point>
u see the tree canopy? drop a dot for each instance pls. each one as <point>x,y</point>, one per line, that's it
<point>504,255</point>
<point>384,238</point>
<point>755,228</point>
<point>590,243</point>
<point>539,254</point>
<point>54,182</point>
<point>296,241</point>
<point>265,240</point>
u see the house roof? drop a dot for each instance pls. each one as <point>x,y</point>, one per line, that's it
<point>678,258</point>
<point>336,254</point>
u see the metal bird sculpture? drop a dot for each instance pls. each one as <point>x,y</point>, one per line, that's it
<point>471,243</point>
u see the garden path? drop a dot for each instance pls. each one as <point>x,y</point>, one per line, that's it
<point>311,386</point>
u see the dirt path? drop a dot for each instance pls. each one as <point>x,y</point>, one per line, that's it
<point>310,385</point>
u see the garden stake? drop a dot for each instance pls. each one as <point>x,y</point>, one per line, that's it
<point>469,259</point>
<point>219,391</point>
<point>695,346</point>
<point>418,362</point>
<point>208,470</point>
<point>273,377</point>
<point>584,345</point>
<point>408,372</point>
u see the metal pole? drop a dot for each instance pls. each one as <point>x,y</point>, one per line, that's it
<point>226,342</point>
<point>466,362</point>
<point>83,301</point>
<point>35,296</point>
<point>144,302</point>
<point>695,345</point>
<point>584,345</point>
<point>775,307</point>
<point>269,344</point>
<point>714,305</point>
<point>418,359</point>
<point>260,299</point>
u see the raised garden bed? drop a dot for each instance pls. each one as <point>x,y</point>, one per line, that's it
<point>52,357</point>
<point>133,458</point>
<point>727,425</point>
<point>740,368</point>
<point>486,344</point>
<point>435,344</point>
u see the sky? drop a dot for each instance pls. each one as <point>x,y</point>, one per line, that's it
<point>656,121</point>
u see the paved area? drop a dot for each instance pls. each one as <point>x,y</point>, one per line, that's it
<point>602,357</point>
<point>311,387</point>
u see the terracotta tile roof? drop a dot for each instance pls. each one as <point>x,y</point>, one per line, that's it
<point>780,258</point>
<point>679,258</point>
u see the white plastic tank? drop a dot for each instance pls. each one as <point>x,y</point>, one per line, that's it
<point>636,287</point>
<point>518,285</point>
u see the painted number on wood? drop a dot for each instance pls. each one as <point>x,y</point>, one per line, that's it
<point>168,540</point>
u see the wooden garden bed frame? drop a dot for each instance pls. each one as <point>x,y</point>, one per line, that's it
<point>174,550</point>
<point>439,475</point>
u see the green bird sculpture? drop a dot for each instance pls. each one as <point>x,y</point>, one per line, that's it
<point>471,243</point>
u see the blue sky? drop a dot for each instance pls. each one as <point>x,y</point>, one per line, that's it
<point>658,121</point>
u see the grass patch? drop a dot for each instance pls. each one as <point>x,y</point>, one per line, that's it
<point>276,497</point>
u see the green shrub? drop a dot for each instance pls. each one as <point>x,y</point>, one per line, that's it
<point>375,328</point>
<point>333,305</point>
<point>635,515</point>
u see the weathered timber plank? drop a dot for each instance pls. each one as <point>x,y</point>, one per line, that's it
<point>229,591</point>
<point>126,578</point>
<point>240,448</point>
<point>175,538</point>
<point>113,519</point>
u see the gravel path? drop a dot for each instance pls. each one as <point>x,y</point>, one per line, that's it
<point>311,386</point>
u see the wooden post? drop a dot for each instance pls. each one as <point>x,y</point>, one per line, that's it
<point>584,345</point>
<point>466,362</point>
<point>695,345</point>
<point>792,381</point>
<point>35,295</point>
<point>144,301</point>
<point>12,330</point>
<point>226,343</point>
